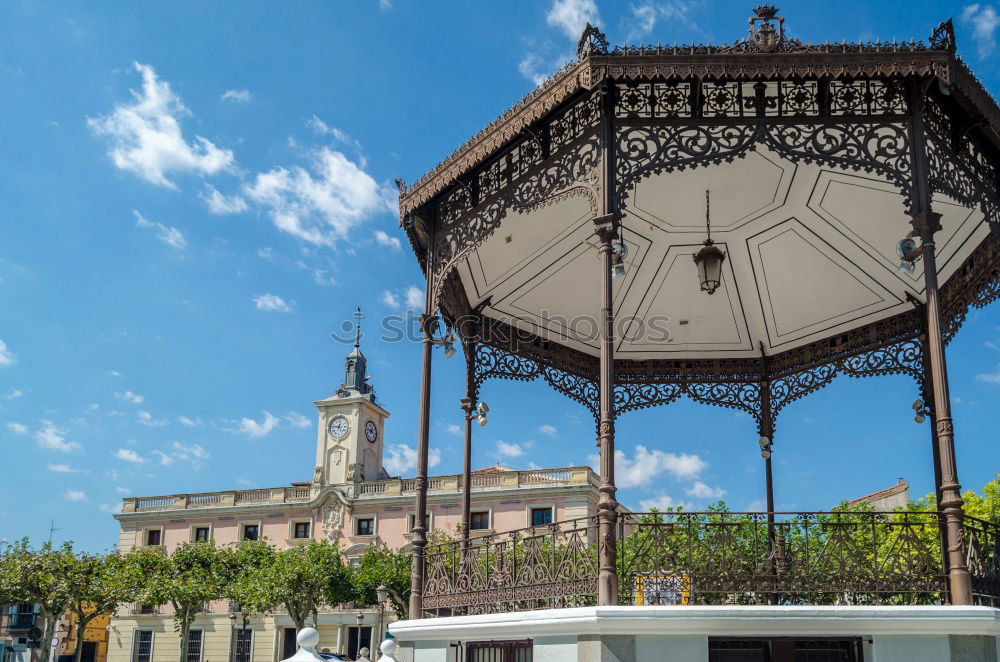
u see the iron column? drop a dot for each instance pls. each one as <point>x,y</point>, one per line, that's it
<point>607,506</point>
<point>468,402</point>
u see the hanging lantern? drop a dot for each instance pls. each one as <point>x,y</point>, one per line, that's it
<point>709,259</point>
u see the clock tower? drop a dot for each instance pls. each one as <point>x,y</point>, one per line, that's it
<point>349,443</point>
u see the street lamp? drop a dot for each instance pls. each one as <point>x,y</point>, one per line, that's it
<point>709,259</point>
<point>382,594</point>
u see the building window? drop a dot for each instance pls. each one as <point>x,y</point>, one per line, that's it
<point>142,646</point>
<point>153,537</point>
<point>201,534</point>
<point>242,645</point>
<point>145,609</point>
<point>411,521</point>
<point>784,650</point>
<point>499,651</point>
<point>541,516</point>
<point>251,531</point>
<point>194,646</point>
<point>300,530</point>
<point>480,520</point>
<point>21,616</point>
<point>366,526</point>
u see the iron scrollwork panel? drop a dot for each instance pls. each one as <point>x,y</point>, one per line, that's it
<point>871,146</point>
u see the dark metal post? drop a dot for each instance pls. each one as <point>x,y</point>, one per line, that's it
<point>607,506</point>
<point>468,404</point>
<point>928,396</point>
<point>766,430</point>
<point>925,224</point>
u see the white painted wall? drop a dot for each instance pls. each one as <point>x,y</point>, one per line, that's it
<point>910,648</point>
<point>654,648</point>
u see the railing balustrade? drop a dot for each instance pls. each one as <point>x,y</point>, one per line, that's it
<point>835,558</point>
<point>151,503</point>
<point>298,493</point>
<point>203,500</point>
<point>253,496</point>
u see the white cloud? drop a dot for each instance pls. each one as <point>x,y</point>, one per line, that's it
<point>188,422</point>
<point>75,495</point>
<point>252,428</point>
<point>990,377</point>
<point>322,204</point>
<point>401,459</point>
<point>757,506</point>
<point>384,5</point>
<point>548,430</point>
<point>385,240</point>
<point>193,453</point>
<point>14,394</point>
<point>662,502</point>
<point>535,69</point>
<point>220,204</point>
<point>146,136</point>
<point>646,465</point>
<point>320,278</point>
<point>112,508</point>
<point>390,299</point>
<point>17,428</point>
<point>509,450</point>
<point>130,455</point>
<point>122,490</point>
<point>266,253</point>
<point>414,298</point>
<point>322,128</point>
<point>984,21</point>
<point>572,16</point>
<point>644,16</point>
<point>129,396</point>
<point>297,420</point>
<point>165,459</point>
<point>7,357</point>
<point>62,468</point>
<point>114,373</point>
<point>453,429</point>
<point>171,236</point>
<point>271,302</point>
<point>54,438</point>
<point>236,96</point>
<point>147,419</point>
<point>701,490</point>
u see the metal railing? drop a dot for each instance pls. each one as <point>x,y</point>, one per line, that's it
<point>841,557</point>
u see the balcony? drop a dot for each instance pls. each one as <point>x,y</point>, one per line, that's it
<point>21,622</point>
<point>258,497</point>
<point>494,480</point>
<point>713,558</point>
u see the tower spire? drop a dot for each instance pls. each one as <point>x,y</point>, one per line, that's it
<point>358,316</point>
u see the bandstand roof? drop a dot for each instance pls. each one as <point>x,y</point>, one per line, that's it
<point>808,153</point>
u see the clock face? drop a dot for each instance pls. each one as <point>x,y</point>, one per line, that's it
<point>339,427</point>
<point>371,432</point>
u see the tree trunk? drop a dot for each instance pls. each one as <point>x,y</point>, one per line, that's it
<point>185,633</point>
<point>49,633</point>
<point>81,626</point>
<point>401,605</point>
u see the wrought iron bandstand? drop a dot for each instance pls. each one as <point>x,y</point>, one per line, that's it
<point>853,223</point>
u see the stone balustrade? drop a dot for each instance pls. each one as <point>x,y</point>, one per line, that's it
<point>494,480</point>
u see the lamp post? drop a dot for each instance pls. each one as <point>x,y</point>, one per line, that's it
<point>361,622</point>
<point>382,593</point>
<point>232,636</point>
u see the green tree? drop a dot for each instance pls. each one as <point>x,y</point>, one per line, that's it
<point>301,579</point>
<point>245,564</point>
<point>40,576</point>
<point>100,585</point>
<point>381,565</point>
<point>187,578</point>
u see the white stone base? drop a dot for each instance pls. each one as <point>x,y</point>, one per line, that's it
<point>624,634</point>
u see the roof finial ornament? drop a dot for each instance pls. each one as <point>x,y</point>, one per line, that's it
<point>358,316</point>
<point>592,42</point>
<point>763,33</point>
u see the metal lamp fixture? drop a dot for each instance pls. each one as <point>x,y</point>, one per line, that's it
<point>709,259</point>
<point>482,409</point>
<point>765,448</point>
<point>382,593</point>
<point>921,411</point>
<point>619,250</point>
<point>448,341</point>
<point>906,249</point>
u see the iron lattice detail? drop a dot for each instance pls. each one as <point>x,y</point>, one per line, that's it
<point>882,147</point>
<point>841,557</point>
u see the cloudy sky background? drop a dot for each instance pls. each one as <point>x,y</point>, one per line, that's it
<point>195,196</point>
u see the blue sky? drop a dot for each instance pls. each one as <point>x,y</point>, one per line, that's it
<point>196,194</point>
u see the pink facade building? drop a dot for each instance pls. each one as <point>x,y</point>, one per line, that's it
<point>350,499</point>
